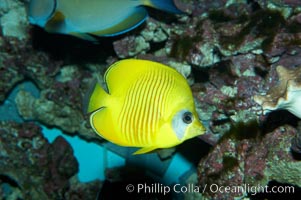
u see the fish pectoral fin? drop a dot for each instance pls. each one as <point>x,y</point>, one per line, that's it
<point>144,150</point>
<point>56,23</point>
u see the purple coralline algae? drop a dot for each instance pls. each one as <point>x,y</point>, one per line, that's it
<point>238,161</point>
<point>32,168</point>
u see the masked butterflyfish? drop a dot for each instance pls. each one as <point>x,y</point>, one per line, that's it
<point>88,18</point>
<point>146,104</point>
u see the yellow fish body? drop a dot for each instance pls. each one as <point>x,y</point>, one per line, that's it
<point>88,18</point>
<point>147,105</point>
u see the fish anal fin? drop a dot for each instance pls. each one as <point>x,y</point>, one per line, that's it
<point>144,150</point>
<point>85,36</point>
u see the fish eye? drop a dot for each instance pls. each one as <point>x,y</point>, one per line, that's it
<point>187,117</point>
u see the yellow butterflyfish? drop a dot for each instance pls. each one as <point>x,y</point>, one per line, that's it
<point>147,104</point>
<point>88,18</point>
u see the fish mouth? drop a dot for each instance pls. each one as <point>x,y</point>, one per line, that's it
<point>196,129</point>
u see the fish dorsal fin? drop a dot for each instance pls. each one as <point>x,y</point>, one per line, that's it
<point>122,73</point>
<point>56,23</point>
<point>132,21</point>
<point>144,150</point>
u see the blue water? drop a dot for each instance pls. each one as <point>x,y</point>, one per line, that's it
<point>8,109</point>
<point>93,158</point>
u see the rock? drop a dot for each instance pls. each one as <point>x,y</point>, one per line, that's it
<point>32,168</point>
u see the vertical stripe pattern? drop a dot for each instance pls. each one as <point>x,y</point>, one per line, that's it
<point>144,104</point>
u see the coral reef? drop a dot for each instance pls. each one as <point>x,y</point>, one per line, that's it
<point>296,141</point>
<point>31,168</point>
<point>250,158</point>
<point>48,112</point>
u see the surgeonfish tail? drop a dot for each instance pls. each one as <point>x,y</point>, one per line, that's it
<point>97,98</point>
<point>166,5</point>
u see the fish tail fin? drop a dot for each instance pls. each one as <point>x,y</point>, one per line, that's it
<point>96,98</point>
<point>166,5</point>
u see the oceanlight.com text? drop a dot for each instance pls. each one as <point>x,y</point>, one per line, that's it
<point>159,188</point>
<point>251,189</point>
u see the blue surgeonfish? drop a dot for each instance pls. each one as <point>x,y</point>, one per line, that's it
<point>88,18</point>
